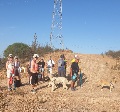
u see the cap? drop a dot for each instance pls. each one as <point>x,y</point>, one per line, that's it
<point>76,55</point>
<point>35,56</point>
<point>77,58</point>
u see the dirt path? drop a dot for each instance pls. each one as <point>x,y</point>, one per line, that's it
<point>83,99</point>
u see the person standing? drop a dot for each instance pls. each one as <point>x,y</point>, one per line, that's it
<point>65,63</point>
<point>50,65</point>
<point>61,67</point>
<point>10,71</point>
<point>41,65</point>
<point>74,72</point>
<point>73,60</point>
<point>17,69</point>
<point>34,72</point>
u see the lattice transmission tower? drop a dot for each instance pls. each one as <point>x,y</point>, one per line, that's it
<point>56,38</point>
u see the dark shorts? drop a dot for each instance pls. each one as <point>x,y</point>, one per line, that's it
<point>16,72</point>
<point>34,79</point>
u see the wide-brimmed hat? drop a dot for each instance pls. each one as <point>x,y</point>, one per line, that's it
<point>35,56</point>
<point>10,56</point>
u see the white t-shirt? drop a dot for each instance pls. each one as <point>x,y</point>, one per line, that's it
<point>10,67</point>
<point>50,62</point>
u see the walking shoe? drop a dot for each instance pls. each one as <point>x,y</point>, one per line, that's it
<point>9,89</point>
<point>72,89</point>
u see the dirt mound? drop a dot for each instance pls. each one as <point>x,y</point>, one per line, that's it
<point>89,98</point>
<point>95,67</point>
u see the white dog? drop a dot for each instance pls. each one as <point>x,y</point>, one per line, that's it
<point>58,80</point>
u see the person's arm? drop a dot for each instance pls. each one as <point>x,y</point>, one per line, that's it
<point>19,64</point>
<point>78,68</point>
<point>46,65</point>
<point>53,62</point>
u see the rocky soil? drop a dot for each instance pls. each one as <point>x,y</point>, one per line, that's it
<point>89,98</point>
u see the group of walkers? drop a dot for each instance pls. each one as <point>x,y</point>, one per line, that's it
<point>36,69</point>
<point>13,72</point>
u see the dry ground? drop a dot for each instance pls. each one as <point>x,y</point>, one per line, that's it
<point>89,98</point>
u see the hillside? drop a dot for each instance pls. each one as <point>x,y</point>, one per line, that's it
<point>89,98</point>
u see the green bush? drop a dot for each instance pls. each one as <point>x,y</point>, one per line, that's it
<point>18,49</point>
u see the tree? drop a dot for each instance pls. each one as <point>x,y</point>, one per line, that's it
<point>18,49</point>
<point>114,54</point>
<point>34,46</point>
<point>37,48</point>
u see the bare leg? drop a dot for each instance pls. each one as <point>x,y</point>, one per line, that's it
<point>72,86</point>
<point>43,75</point>
<point>8,83</point>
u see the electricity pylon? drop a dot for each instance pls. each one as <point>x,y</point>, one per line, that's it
<point>56,38</point>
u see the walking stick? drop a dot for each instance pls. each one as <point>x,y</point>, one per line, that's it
<point>80,78</point>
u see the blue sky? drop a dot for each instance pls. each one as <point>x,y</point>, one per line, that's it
<point>88,26</point>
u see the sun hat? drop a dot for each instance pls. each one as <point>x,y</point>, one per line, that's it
<point>35,56</point>
<point>10,56</point>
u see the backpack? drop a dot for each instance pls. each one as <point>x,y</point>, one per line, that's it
<point>60,63</point>
<point>17,83</point>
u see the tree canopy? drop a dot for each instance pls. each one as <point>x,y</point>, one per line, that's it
<point>18,49</point>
